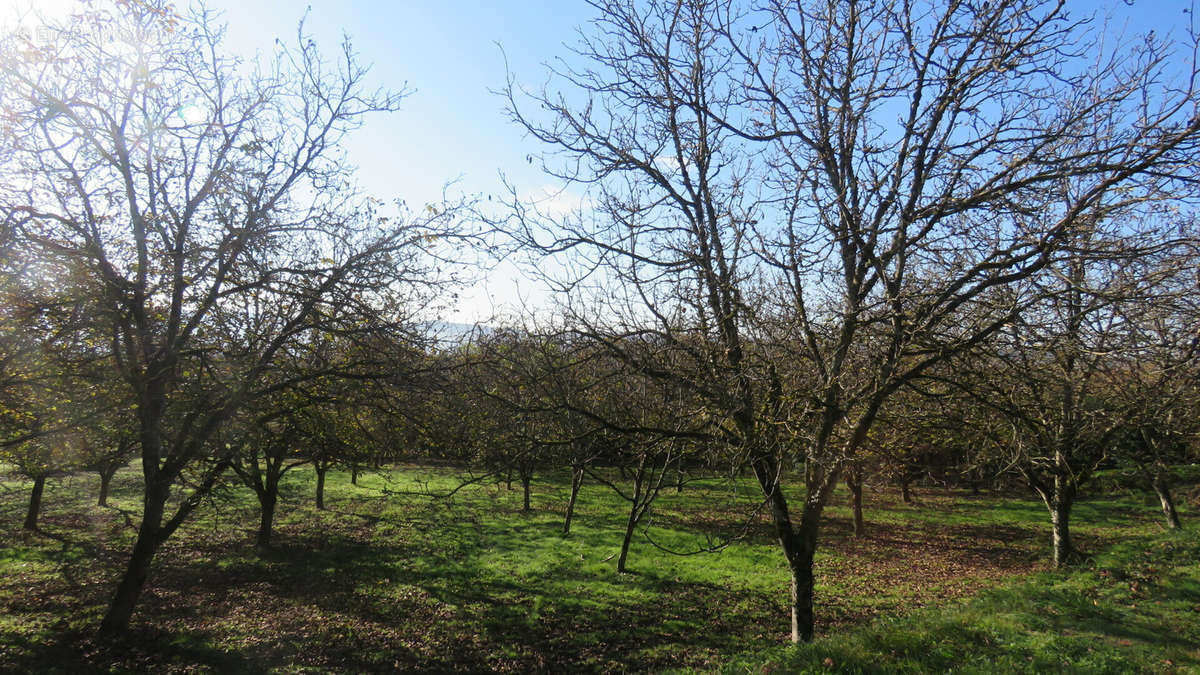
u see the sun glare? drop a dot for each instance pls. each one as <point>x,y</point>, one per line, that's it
<point>29,15</point>
<point>188,114</point>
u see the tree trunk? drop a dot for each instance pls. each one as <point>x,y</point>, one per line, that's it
<point>321,487</point>
<point>267,499</point>
<point>799,551</point>
<point>634,514</point>
<point>906,490</point>
<point>525,479</point>
<point>105,483</point>
<point>799,543</point>
<point>854,482</point>
<point>354,475</point>
<point>1060,520</point>
<point>630,525</point>
<point>576,483</point>
<point>680,476</point>
<point>35,503</point>
<point>156,489</point>
<point>1163,489</point>
<point>120,609</point>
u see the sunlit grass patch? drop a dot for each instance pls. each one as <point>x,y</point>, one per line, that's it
<point>1131,609</point>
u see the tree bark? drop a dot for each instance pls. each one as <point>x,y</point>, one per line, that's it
<point>354,475</point>
<point>120,609</point>
<point>35,503</point>
<point>630,525</point>
<point>576,483</point>
<point>1060,521</point>
<point>906,490</point>
<point>267,500</point>
<point>854,482</point>
<point>321,486</point>
<point>156,489</point>
<point>1163,489</point>
<point>799,552</point>
<point>105,483</point>
<point>635,513</point>
<point>799,543</point>
<point>525,479</point>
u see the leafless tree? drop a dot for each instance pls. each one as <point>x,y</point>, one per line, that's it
<point>814,203</point>
<point>1071,374</point>
<point>1153,382</point>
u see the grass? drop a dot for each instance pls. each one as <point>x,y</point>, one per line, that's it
<point>387,580</point>
<point>1132,609</point>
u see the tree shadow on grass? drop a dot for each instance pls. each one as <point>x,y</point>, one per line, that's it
<point>55,609</point>
<point>57,654</point>
<point>576,620</point>
<point>315,600</point>
<point>379,587</point>
<point>1109,618</point>
<point>74,653</point>
<point>375,606</point>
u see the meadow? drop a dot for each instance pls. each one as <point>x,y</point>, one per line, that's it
<point>390,577</point>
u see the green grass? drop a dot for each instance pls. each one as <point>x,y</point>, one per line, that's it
<point>1133,609</point>
<point>389,580</point>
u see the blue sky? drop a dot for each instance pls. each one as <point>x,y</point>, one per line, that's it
<point>447,53</point>
<point>451,128</point>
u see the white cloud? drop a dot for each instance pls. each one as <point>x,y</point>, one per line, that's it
<point>556,202</point>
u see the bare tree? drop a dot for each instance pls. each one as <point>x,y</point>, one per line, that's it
<point>812,204</point>
<point>1154,381</point>
<point>1071,376</point>
<point>212,214</point>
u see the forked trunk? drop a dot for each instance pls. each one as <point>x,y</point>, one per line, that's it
<point>1058,495</point>
<point>799,552</point>
<point>35,503</point>
<point>799,543</point>
<point>576,483</point>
